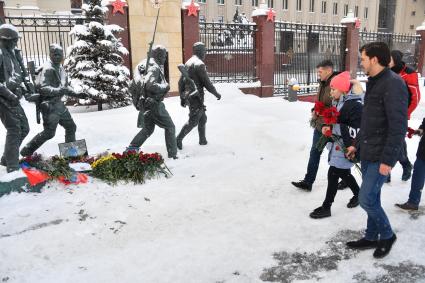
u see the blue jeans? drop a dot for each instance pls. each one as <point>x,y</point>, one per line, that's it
<point>418,180</point>
<point>378,225</point>
<point>314,160</point>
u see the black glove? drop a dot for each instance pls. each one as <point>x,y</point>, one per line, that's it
<point>183,102</point>
<point>218,96</point>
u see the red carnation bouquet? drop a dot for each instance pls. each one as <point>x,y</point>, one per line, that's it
<point>330,117</point>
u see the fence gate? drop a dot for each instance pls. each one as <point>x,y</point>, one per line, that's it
<point>300,47</point>
<point>37,33</point>
<point>230,51</point>
<point>408,44</point>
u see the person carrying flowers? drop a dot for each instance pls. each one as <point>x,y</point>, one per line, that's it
<point>342,123</point>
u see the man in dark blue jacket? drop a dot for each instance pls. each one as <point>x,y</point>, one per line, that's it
<point>382,131</point>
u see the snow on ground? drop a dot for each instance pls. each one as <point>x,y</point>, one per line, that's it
<point>229,213</point>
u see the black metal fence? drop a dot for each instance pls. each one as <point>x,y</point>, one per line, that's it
<point>300,47</point>
<point>37,33</point>
<point>230,51</point>
<point>408,44</point>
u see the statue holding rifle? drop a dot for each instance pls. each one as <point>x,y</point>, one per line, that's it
<point>148,89</point>
<point>52,84</point>
<point>14,83</point>
<point>148,95</point>
<point>191,88</point>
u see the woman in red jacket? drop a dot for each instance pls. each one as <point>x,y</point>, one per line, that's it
<point>410,77</point>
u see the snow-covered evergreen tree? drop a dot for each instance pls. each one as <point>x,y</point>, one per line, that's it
<point>94,62</point>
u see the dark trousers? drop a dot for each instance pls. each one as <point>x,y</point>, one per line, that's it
<point>418,180</point>
<point>333,176</point>
<point>403,158</point>
<point>16,124</point>
<point>50,124</point>
<point>158,116</point>
<point>196,118</point>
<point>314,159</point>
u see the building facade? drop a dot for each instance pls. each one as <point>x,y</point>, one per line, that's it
<point>408,15</point>
<point>36,7</point>
<point>401,16</point>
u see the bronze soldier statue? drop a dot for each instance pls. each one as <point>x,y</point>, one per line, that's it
<point>14,84</point>
<point>153,88</point>
<point>191,90</point>
<point>52,84</point>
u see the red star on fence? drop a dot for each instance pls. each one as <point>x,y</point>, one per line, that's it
<point>192,9</point>
<point>118,7</point>
<point>357,24</point>
<point>270,15</point>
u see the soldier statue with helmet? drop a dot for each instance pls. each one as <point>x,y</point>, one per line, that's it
<point>14,83</point>
<point>52,84</point>
<point>148,99</point>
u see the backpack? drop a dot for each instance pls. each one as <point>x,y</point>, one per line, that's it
<point>137,86</point>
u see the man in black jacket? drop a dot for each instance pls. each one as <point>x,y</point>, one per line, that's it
<point>382,131</point>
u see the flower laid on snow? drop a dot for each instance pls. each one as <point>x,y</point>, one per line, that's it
<point>129,166</point>
<point>102,160</point>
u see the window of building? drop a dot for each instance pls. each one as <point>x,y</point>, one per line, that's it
<point>345,10</point>
<point>221,2</point>
<point>255,3</point>
<point>356,11</point>
<point>335,8</point>
<point>366,11</point>
<point>285,5</point>
<point>323,7</point>
<point>299,5</point>
<point>238,2</point>
<point>311,7</point>
<point>202,18</point>
<point>220,19</point>
<point>413,13</point>
<point>202,1</point>
<point>412,26</point>
<point>270,3</point>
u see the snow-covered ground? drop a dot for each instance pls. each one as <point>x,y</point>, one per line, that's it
<point>229,213</point>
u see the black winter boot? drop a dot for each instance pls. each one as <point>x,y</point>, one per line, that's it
<point>354,201</point>
<point>384,247</point>
<point>302,185</point>
<point>321,212</point>
<point>362,244</point>
<point>407,172</point>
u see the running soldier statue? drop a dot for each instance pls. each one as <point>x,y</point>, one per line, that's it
<point>52,84</point>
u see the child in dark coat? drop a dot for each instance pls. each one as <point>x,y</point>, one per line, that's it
<point>348,102</point>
